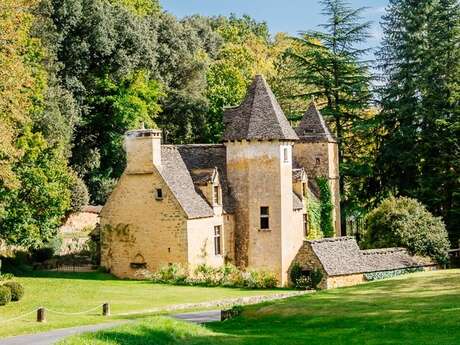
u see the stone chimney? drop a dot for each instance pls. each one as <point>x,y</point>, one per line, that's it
<point>143,150</point>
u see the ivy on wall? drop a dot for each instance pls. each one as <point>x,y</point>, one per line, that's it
<point>314,218</point>
<point>326,207</point>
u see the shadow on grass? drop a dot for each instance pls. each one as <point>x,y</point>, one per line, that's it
<point>68,275</point>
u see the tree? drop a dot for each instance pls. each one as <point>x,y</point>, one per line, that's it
<point>420,60</point>
<point>405,222</point>
<point>330,69</point>
<point>34,211</point>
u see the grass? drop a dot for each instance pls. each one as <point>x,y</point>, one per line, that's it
<point>418,309</point>
<point>75,292</point>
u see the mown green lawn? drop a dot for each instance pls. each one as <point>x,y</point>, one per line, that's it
<point>419,309</point>
<point>75,292</point>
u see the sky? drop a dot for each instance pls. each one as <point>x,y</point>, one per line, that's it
<point>289,16</point>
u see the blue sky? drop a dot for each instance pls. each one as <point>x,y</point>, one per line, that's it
<point>289,16</point>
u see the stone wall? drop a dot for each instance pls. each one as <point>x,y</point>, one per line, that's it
<point>321,159</point>
<point>259,176</point>
<point>345,280</point>
<point>307,259</point>
<point>137,228</point>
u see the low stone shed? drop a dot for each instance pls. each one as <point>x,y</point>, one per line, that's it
<point>344,264</point>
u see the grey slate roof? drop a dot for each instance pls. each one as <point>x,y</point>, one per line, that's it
<point>312,127</point>
<point>342,256</point>
<point>391,259</point>
<point>259,117</point>
<point>177,176</point>
<point>339,256</point>
<point>209,157</point>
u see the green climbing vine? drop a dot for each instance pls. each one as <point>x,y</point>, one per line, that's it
<point>314,218</point>
<point>326,207</point>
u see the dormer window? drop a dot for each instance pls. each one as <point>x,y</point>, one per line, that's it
<point>216,195</point>
<point>159,194</point>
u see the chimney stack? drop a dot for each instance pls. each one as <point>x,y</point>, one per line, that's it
<point>143,150</point>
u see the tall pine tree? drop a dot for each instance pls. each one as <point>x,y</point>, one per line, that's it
<point>332,70</point>
<point>419,59</point>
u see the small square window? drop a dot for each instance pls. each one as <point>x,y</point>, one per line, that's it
<point>159,194</point>
<point>264,218</point>
<point>318,161</point>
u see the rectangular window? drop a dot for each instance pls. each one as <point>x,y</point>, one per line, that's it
<point>286,155</point>
<point>217,240</point>
<point>264,218</point>
<point>318,161</point>
<point>159,194</point>
<point>304,189</point>
<point>216,195</point>
<point>305,224</point>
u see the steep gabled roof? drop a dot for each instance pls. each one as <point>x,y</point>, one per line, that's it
<point>209,157</point>
<point>298,174</point>
<point>179,181</point>
<point>312,127</point>
<point>259,117</point>
<point>339,256</point>
<point>297,203</point>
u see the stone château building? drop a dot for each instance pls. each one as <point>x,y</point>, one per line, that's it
<point>242,201</point>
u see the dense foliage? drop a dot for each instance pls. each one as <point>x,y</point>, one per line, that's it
<point>419,152</point>
<point>5,295</point>
<point>326,207</point>
<point>17,290</point>
<point>203,275</point>
<point>405,222</point>
<point>77,74</point>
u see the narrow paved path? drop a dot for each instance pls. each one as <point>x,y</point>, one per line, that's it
<point>52,337</point>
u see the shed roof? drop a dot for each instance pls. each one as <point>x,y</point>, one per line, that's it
<point>259,117</point>
<point>342,256</point>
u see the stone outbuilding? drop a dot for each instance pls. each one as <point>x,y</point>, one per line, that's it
<point>243,201</point>
<point>343,263</point>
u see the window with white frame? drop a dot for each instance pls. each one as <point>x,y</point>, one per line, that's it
<point>216,195</point>
<point>286,155</point>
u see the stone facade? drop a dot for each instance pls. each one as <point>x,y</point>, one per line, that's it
<point>206,204</point>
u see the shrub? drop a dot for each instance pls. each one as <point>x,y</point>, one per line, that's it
<point>80,194</point>
<point>17,290</point>
<point>405,222</point>
<point>42,254</point>
<point>316,276</point>
<point>296,273</point>
<point>326,207</point>
<point>303,282</point>
<point>6,277</point>
<point>173,274</point>
<point>5,295</point>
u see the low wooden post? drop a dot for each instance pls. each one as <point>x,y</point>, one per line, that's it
<point>41,316</point>
<point>106,309</point>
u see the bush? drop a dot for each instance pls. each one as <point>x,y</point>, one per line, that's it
<point>17,290</point>
<point>6,277</point>
<point>303,283</point>
<point>42,254</point>
<point>405,222</point>
<point>204,275</point>
<point>316,276</point>
<point>296,273</point>
<point>5,295</point>
<point>80,194</point>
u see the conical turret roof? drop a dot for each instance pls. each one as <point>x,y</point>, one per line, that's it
<point>259,117</point>
<point>312,127</point>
